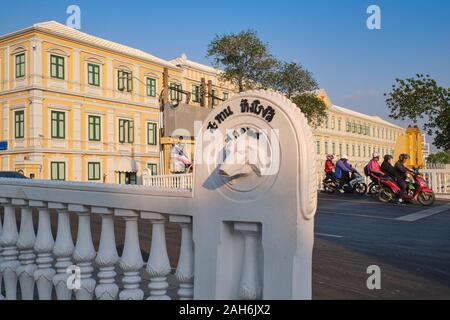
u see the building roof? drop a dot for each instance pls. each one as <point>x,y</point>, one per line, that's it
<point>58,29</point>
<point>183,61</point>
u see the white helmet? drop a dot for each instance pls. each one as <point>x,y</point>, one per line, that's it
<point>375,155</point>
<point>344,156</point>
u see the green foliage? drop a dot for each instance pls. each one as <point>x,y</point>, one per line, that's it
<point>291,79</point>
<point>439,158</point>
<point>314,108</point>
<point>243,57</point>
<point>419,98</point>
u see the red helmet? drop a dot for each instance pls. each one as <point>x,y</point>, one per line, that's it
<point>330,157</point>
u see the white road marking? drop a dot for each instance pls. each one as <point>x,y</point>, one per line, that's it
<point>328,235</point>
<point>354,215</point>
<point>424,213</point>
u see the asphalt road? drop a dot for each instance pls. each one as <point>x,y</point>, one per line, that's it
<point>410,244</point>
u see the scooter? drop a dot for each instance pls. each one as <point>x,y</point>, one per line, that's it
<point>355,185</point>
<point>417,189</point>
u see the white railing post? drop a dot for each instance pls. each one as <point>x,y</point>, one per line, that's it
<point>84,253</point>
<point>131,261</point>
<point>8,241</point>
<point>185,268</point>
<point>25,244</point>
<point>63,251</point>
<point>107,257</point>
<point>158,265</point>
<point>44,245</point>
<point>250,284</point>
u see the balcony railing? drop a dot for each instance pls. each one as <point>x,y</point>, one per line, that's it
<point>175,181</point>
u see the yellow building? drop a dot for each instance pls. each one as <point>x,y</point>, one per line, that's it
<point>77,107</point>
<point>80,108</point>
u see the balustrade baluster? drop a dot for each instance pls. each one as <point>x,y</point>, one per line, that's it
<point>131,261</point>
<point>84,253</point>
<point>107,257</point>
<point>25,244</point>
<point>250,285</point>
<point>43,246</point>
<point>8,241</point>
<point>63,251</point>
<point>185,268</point>
<point>158,265</point>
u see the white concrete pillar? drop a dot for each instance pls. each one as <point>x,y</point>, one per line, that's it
<point>44,246</point>
<point>36,62</point>
<point>6,79</point>
<point>158,266</point>
<point>76,70</point>
<point>35,118</point>
<point>84,253</point>
<point>131,261</point>
<point>185,268</point>
<point>76,112</point>
<point>63,251</point>
<point>8,241</point>
<point>107,257</point>
<point>25,243</point>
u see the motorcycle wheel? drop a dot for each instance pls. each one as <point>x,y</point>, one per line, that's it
<point>374,189</point>
<point>386,195</point>
<point>426,198</point>
<point>361,188</point>
<point>329,188</point>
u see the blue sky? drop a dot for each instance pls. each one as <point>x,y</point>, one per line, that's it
<point>354,64</point>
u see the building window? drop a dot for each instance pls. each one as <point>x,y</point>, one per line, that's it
<point>94,171</point>
<point>124,81</point>
<point>215,101</point>
<point>326,147</point>
<point>58,125</point>
<point>340,149</point>
<point>225,96</point>
<point>20,65</point>
<point>19,124</point>
<point>93,75</point>
<point>151,87</point>
<point>126,131</point>
<point>318,147</point>
<point>333,148</point>
<point>353,150</point>
<point>333,123</point>
<point>349,127</point>
<point>359,151</point>
<point>196,93</point>
<point>153,167</point>
<point>58,171</point>
<point>94,128</point>
<point>127,178</point>
<point>339,124</point>
<point>151,133</point>
<point>57,67</point>
<point>364,151</point>
<point>347,149</point>
<point>175,91</point>
<point>370,151</point>
<point>353,127</point>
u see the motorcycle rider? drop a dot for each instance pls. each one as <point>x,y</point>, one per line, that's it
<point>392,172</point>
<point>375,168</point>
<point>329,166</point>
<point>402,172</point>
<point>343,170</point>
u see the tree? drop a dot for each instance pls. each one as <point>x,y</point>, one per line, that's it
<point>421,97</point>
<point>243,57</point>
<point>439,157</point>
<point>314,108</point>
<point>291,79</point>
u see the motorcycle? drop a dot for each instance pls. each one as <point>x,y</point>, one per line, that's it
<point>416,189</point>
<point>355,185</point>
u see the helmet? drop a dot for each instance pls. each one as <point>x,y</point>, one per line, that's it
<point>388,157</point>
<point>344,156</point>
<point>403,157</point>
<point>330,157</point>
<point>375,155</point>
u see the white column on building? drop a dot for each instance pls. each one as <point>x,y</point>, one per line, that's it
<point>6,79</point>
<point>62,251</point>
<point>131,260</point>
<point>8,241</point>
<point>110,123</point>
<point>107,257</point>
<point>110,77</point>
<point>84,253</point>
<point>136,83</point>
<point>76,69</point>
<point>158,265</point>
<point>36,62</point>
<point>44,246</point>
<point>25,243</point>
<point>36,123</point>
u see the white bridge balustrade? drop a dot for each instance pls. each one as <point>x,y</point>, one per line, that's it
<point>173,181</point>
<point>243,234</point>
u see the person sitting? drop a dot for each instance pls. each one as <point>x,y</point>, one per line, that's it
<point>329,166</point>
<point>402,171</point>
<point>392,173</point>
<point>342,171</point>
<point>375,168</point>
